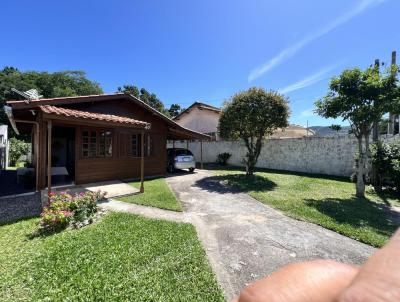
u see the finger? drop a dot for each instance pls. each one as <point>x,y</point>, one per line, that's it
<point>379,278</point>
<point>320,280</point>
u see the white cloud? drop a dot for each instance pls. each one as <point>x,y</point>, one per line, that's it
<point>290,51</point>
<point>307,113</point>
<point>309,80</point>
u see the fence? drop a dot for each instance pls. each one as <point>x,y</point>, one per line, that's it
<point>3,155</point>
<point>319,155</point>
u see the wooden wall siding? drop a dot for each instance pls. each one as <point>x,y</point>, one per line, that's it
<point>123,108</point>
<point>121,165</point>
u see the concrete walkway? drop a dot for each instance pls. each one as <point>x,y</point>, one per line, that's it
<point>149,212</point>
<point>246,240</point>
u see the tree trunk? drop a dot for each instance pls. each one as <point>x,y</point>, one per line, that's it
<point>253,151</point>
<point>360,185</point>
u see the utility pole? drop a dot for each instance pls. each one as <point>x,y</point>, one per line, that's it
<point>375,127</point>
<point>392,117</point>
<point>375,138</point>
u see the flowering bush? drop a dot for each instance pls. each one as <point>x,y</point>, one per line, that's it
<point>65,209</point>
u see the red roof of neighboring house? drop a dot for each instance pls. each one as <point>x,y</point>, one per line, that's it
<point>92,116</point>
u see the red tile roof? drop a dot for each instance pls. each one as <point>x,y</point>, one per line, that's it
<point>92,116</point>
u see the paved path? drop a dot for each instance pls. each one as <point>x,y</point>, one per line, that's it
<point>149,212</point>
<point>246,240</point>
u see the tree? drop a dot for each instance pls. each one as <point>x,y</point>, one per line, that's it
<point>57,84</point>
<point>17,149</point>
<point>361,98</point>
<point>174,110</point>
<point>251,115</point>
<point>336,128</point>
<point>149,98</point>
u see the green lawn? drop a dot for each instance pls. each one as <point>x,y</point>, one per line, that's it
<point>156,194</point>
<point>327,201</point>
<point>124,257</point>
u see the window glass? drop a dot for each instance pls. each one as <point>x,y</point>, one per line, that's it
<point>96,143</point>
<point>136,145</point>
<point>182,152</point>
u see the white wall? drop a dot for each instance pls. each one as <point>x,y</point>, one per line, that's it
<point>323,155</point>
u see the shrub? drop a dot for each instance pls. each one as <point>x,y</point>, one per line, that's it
<point>386,159</point>
<point>64,210</point>
<point>17,149</point>
<point>223,158</point>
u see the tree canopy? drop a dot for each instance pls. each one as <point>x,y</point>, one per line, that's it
<point>174,110</point>
<point>361,97</point>
<point>56,84</point>
<point>149,98</point>
<point>251,115</point>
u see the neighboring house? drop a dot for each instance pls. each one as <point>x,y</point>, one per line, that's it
<point>4,146</point>
<point>97,137</point>
<point>292,131</point>
<point>322,131</point>
<point>200,117</point>
<point>204,118</point>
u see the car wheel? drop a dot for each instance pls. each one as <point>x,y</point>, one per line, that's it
<point>191,169</point>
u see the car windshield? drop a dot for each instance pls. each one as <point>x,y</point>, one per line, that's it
<point>179,152</point>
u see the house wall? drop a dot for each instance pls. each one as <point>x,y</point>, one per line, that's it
<point>121,166</point>
<point>200,120</point>
<point>118,166</point>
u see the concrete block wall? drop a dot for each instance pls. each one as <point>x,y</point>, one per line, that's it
<point>320,155</point>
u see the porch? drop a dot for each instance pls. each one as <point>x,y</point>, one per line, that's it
<point>112,188</point>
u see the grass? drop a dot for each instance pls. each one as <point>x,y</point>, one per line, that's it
<point>17,165</point>
<point>326,201</point>
<point>156,194</point>
<point>124,257</point>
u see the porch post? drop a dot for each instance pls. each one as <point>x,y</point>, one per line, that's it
<point>49,130</point>
<point>142,162</point>
<point>173,144</point>
<point>187,144</point>
<point>36,142</point>
<point>201,154</point>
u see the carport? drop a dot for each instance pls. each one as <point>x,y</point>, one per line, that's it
<point>174,134</point>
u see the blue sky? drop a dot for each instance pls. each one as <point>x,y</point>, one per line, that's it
<point>188,51</point>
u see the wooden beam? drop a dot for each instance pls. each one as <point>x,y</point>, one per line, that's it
<point>36,142</point>
<point>49,131</point>
<point>201,154</point>
<point>142,163</point>
<point>36,147</point>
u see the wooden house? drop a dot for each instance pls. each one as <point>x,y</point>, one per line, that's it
<point>96,138</point>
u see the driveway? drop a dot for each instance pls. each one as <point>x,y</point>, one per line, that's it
<point>246,240</point>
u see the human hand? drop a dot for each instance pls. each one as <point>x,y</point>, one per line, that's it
<point>377,280</point>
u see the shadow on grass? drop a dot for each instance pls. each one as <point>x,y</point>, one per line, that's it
<point>43,234</point>
<point>235,183</point>
<point>387,196</point>
<point>282,172</point>
<point>358,213</point>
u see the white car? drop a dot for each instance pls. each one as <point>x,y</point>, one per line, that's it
<point>180,158</point>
